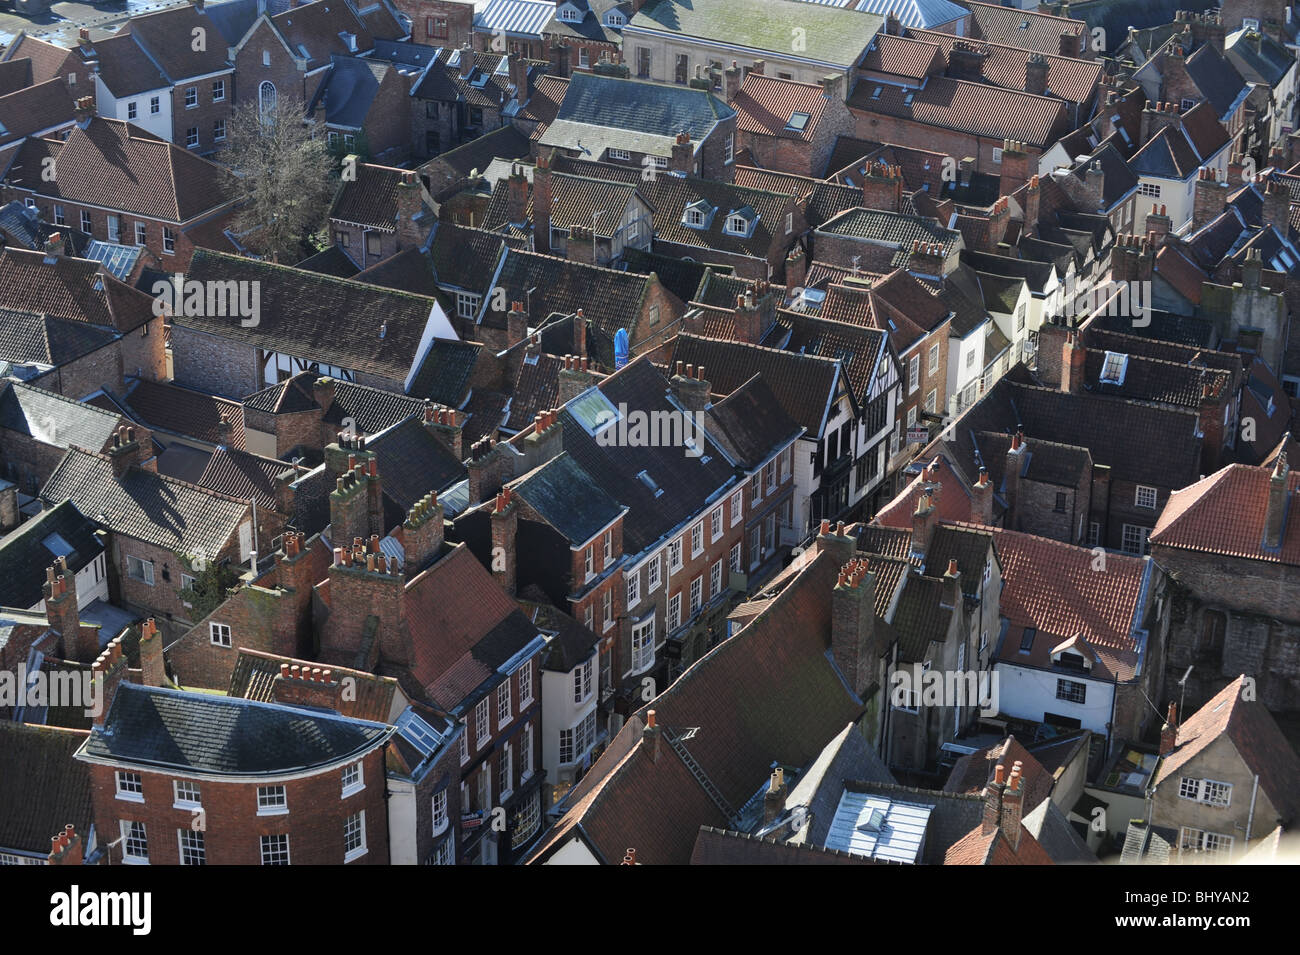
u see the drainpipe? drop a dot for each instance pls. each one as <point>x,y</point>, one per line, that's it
<point>1250,818</point>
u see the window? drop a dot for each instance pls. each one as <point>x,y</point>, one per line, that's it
<point>1020,317</point>
<point>675,556</point>
<point>445,854</point>
<point>525,684</point>
<point>59,217</point>
<point>729,147</point>
<point>271,800</point>
<point>569,14</point>
<point>505,772</point>
<point>737,506</point>
<point>374,244</point>
<point>187,795</point>
<point>607,609</point>
<point>1060,502</point>
<point>130,786</point>
<point>1151,189</point>
<point>1070,691</point>
<point>218,90</point>
<point>733,559</point>
<point>141,233</point>
<point>155,105</point>
<point>654,315</point>
<point>589,562</point>
<point>85,221</point>
<point>575,742</point>
<point>467,304</point>
<point>615,19</point>
<point>997,154</point>
<point>695,218</point>
<point>439,812</point>
<point>715,524</point>
<point>482,722</point>
<point>1135,539</point>
<point>219,633</point>
<point>584,58</point>
<point>643,62</point>
<point>275,849</point>
<point>1198,840</point>
<point>1094,533</point>
<point>1027,639</point>
<point>1145,497</point>
<point>169,241</point>
<point>141,570</point>
<point>697,593</point>
<point>464,747</point>
<point>191,97</point>
<point>1205,790</point>
<point>191,843</point>
<point>352,780</point>
<point>789,222</point>
<point>933,365</point>
<point>135,843</point>
<point>652,576</point>
<point>643,640</point>
<point>608,548</point>
<point>756,486</point>
<point>266,99</point>
<point>354,836</point>
<point>191,137</point>
<point>633,590</point>
<point>661,162</point>
<point>736,225</point>
<point>526,752</point>
<point>914,373</point>
<point>589,617</point>
<point>332,139</point>
<point>1249,23</point>
<point>715,579</point>
<point>674,612</point>
<point>436,27</point>
<point>697,539</point>
<point>622,154</point>
<point>219,130</point>
<point>503,703</point>
<point>931,400</point>
<point>911,416</point>
<point>131,110</point>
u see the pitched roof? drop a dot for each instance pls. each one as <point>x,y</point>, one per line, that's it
<point>244,476</point>
<point>972,773</point>
<point>514,17</point>
<point>834,36</point>
<point>1225,513</point>
<point>348,90</point>
<point>185,411</point>
<point>914,58</point>
<point>764,212</point>
<point>115,165</point>
<point>50,418</point>
<point>1016,27</point>
<point>567,498</point>
<point>893,228</point>
<point>315,30</point>
<point>1216,78</point>
<point>910,13</point>
<point>201,734</point>
<point>254,673</point>
<point>346,323</point>
<point>125,68</point>
<point>1068,77</point>
<point>168,36</point>
<point>70,288</point>
<point>574,202</point>
<point>34,109</point>
<point>145,505</point>
<point>993,848</point>
<point>46,58</point>
<point>30,338</point>
<point>765,105</point>
<point>370,199</point>
<point>444,375</point>
<point>413,462</point>
<point>59,531</point>
<point>1255,736</point>
<point>753,422</point>
<point>42,788</point>
<point>975,108</point>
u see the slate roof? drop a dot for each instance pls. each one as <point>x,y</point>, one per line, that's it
<point>1253,733</point>
<point>859,348</point>
<point>1257,57</point>
<point>42,788</point>
<point>568,499</point>
<point>975,108</point>
<point>678,276</point>
<point>631,114</point>
<point>125,68</point>
<point>1224,514</point>
<point>115,165</point>
<point>1057,836</point>
<point>504,143</point>
<point>464,258</point>
<point>413,462</point>
<point>31,547</point>
<point>168,35</point>
<point>410,270</point>
<point>725,847</point>
<point>574,201</point>
<point>29,338</point>
<point>371,409</point>
<point>891,227</point>
<point>444,375</point>
<point>1216,78</point>
<point>146,506</point>
<point>1015,27</point>
<point>52,419</point>
<point>537,388</point>
<point>348,90</point>
<point>765,104</point>
<point>244,476</point>
<point>370,200</point>
<point>1150,379</point>
<point>806,385</point>
<point>319,317</point>
<point>170,407</point>
<point>670,195</point>
<point>314,28</point>
<point>1174,153</point>
<point>202,734</point>
<point>753,422</point>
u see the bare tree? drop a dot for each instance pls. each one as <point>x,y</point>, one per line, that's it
<point>284,175</point>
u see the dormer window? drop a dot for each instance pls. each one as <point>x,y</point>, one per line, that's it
<point>698,215</point>
<point>615,19</point>
<point>738,224</point>
<point>569,14</point>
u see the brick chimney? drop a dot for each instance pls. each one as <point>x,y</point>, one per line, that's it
<point>153,668</point>
<point>350,515</point>
<point>518,71</point>
<point>364,583</point>
<point>1277,207</point>
<point>924,519</point>
<point>650,736</point>
<point>882,187</point>
<point>84,110</point>
<point>1275,514</point>
<point>966,61</point>
<point>796,267</point>
<point>1158,222</point>
<point>65,848</point>
<point>1033,193</point>
<point>542,205</point>
<point>1094,187</point>
<point>832,86</point>
<point>1074,360</point>
<point>837,540</point>
<point>1013,806</point>
<point>1015,166</point>
<point>774,798</point>
<point>125,451</point>
<point>110,667</point>
<point>516,325</point>
<point>545,441</point>
<point>1156,116</point>
<point>952,584</point>
<point>1069,44</point>
<point>1036,75</point>
<point>1169,731</point>
<point>423,532</point>
<point>749,320</point>
<point>61,612</point>
<point>683,159</point>
<point>448,426</point>
<point>574,378</point>
<point>982,499</point>
<point>466,60</point>
<point>999,220</point>
<point>732,77</point>
<point>302,685</point>
<point>322,390</point>
<point>505,527</point>
<point>410,205</point>
<point>517,195</point>
<point>1210,199</point>
<point>559,59</point>
<point>993,801</point>
<point>691,389</point>
<point>853,625</point>
<point>580,323</point>
<point>1011,478</point>
<point>1051,342</point>
<point>927,259</point>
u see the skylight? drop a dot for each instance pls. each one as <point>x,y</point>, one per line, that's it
<point>1114,368</point>
<point>798,122</point>
<point>418,733</point>
<point>57,545</point>
<point>593,411</point>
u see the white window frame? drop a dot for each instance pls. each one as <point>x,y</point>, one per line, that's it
<point>191,97</point>
<point>357,784</point>
<point>220,634</point>
<point>169,241</point>
<point>583,682</point>
<point>606,609</point>
<point>218,91</point>
<point>716,524</point>
<point>464,747</point>
<point>932,363</point>
<point>87,224</point>
<point>1143,534</point>
<point>1211,792</point>
<point>633,589</point>
<point>735,558</point>
<point>182,790</point>
<point>482,721</point>
<point>132,109</point>
<point>997,154</point>
<point>1145,497</point>
<point>737,506</point>
<point>129,838</point>
<point>697,540</point>
<point>185,843</point>
<point>129,786</point>
<point>141,233</point>
<point>913,374</point>
<point>359,830</point>
<point>277,846</point>
<point>504,714</point>
<point>272,800</point>
<point>439,812</point>
<point>675,548</point>
<point>525,684</point>
<point>155,105</point>
<point>643,643</point>
<point>697,594</point>
<point>620,154</point>
<point>526,753</point>
<point>652,575</point>
<point>715,578</point>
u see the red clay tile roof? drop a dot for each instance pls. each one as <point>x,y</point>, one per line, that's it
<point>903,56</point>
<point>1180,272</point>
<point>544,104</point>
<point>972,773</point>
<point>1053,587</point>
<point>978,848</point>
<point>1014,27</point>
<point>1067,77</point>
<point>975,108</point>
<point>953,502</point>
<point>185,411</point>
<point>70,288</point>
<point>34,109</point>
<point>115,165</point>
<point>1224,514</point>
<point>764,105</point>
<point>370,200</point>
<point>47,59</point>
<point>1253,733</point>
<point>243,475</point>
<point>168,37</point>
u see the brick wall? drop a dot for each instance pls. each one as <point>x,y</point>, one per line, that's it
<point>388,124</point>
<point>792,154</point>
<point>459,24</point>
<point>876,127</point>
<point>29,462</point>
<point>162,598</point>
<point>314,822</point>
<point>1037,503</point>
<point>215,365</point>
<point>204,115</point>
<point>251,71</point>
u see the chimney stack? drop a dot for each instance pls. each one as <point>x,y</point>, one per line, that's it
<point>993,801</point>
<point>574,378</point>
<point>1275,514</point>
<point>1169,731</point>
<point>305,685</point>
<point>65,848</point>
<point>1016,457</point>
<point>1036,75</point>
<point>683,159</point>
<point>853,625</point>
<point>63,615</point>
<point>691,389</point>
<point>505,528</point>
<point>650,735</point>
<point>1074,360</point>
<point>153,668</point>
<point>1013,806</point>
<point>447,425</point>
<point>924,519</point>
<point>774,798</point>
<point>423,533</point>
<point>110,667</point>
<point>982,503</point>
<point>542,204</point>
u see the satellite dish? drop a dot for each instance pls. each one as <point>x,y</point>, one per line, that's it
<point>620,348</point>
